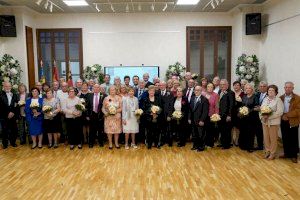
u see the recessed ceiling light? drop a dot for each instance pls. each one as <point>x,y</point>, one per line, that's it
<point>187,2</point>
<point>75,2</point>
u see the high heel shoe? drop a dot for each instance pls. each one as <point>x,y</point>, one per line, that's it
<point>118,147</point>
<point>110,148</point>
<point>72,147</point>
<point>79,147</point>
<point>33,147</point>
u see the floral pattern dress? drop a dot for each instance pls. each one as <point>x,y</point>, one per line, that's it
<point>112,123</point>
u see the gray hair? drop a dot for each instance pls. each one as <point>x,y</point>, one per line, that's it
<point>263,83</point>
<point>289,82</point>
<point>224,80</point>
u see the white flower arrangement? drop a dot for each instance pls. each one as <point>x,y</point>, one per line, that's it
<point>112,110</point>
<point>177,115</point>
<point>138,112</point>
<point>155,109</point>
<point>244,111</point>
<point>248,68</point>
<point>176,70</point>
<point>94,72</point>
<point>21,103</point>
<point>47,109</point>
<point>265,110</point>
<point>10,71</point>
<point>80,107</point>
<point>34,106</point>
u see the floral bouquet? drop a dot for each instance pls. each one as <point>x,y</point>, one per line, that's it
<point>265,110</point>
<point>243,111</point>
<point>177,115</point>
<point>47,109</point>
<point>238,98</point>
<point>21,103</point>
<point>34,106</point>
<point>80,107</point>
<point>215,118</point>
<point>112,110</point>
<point>138,113</point>
<point>247,68</point>
<point>155,110</point>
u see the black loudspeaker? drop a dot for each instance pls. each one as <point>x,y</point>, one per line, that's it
<point>253,23</point>
<point>8,26</point>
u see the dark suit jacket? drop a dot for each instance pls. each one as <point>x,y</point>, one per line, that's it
<point>258,96</point>
<point>148,84</point>
<point>142,97</point>
<point>167,103</point>
<point>185,91</point>
<point>5,108</point>
<point>146,106</point>
<point>200,112</point>
<point>226,103</point>
<point>90,105</point>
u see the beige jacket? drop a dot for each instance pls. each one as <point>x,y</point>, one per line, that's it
<point>277,106</point>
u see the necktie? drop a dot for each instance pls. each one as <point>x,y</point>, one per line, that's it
<point>261,97</point>
<point>196,100</point>
<point>188,92</point>
<point>96,103</point>
<point>140,92</point>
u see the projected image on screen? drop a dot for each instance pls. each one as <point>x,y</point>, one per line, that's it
<point>122,71</point>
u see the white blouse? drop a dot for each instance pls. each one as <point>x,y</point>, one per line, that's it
<point>177,104</point>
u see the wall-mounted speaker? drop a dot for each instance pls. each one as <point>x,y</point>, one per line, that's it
<point>253,23</point>
<point>8,26</point>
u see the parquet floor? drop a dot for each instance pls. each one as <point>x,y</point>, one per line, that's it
<point>168,173</point>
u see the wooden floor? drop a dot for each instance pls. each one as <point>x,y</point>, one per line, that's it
<point>168,173</point>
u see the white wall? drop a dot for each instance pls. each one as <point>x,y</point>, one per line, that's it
<point>280,43</point>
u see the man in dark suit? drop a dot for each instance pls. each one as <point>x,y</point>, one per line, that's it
<point>198,117</point>
<point>95,115</point>
<point>227,97</point>
<point>167,100</point>
<point>8,115</point>
<point>261,95</point>
<point>146,79</point>
<point>189,90</point>
<point>141,93</point>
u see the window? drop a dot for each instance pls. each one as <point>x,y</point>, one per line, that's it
<point>209,51</point>
<point>63,46</point>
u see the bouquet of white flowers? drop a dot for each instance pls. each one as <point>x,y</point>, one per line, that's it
<point>177,115</point>
<point>265,110</point>
<point>21,103</point>
<point>47,109</point>
<point>82,100</point>
<point>238,98</point>
<point>155,110</point>
<point>215,118</point>
<point>138,113</point>
<point>34,106</point>
<point>243,111</point>
<point>80,107</point>
<point>112,110</point>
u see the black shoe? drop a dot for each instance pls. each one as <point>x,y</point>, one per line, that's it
<point>79,146</point>
<point>149,146</point>
<point>33,147</point>
<point>91,146</point>
<point>194,148</point>
<point>14,145</point>
<point>55,146</point>
<point>110,148</point>
<point>4,146</point>
<point>118,147</point>
<point>250,151</point>
<point>158,146</point>
<point>49,146</point>
<point>72,147</point>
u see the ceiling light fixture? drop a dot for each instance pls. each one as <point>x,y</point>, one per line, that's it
<point>112,8</point>
<point>217,1</point>
<point>97,8</point>
<point>51,7</point>
<point>139,7</point>
<point>213,5</point>
<point>46,4</point>
<point>75,2</point>
<point>127,8</point>
<point>187,2</point>
<point>38,2</point>
<point>165,8</point>
<point>152,7</point>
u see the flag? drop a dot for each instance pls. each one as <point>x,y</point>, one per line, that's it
<point>55,75</point>
<point>70,81</point>
<point>43,79</point>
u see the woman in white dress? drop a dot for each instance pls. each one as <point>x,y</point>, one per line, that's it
<point>130,122</point>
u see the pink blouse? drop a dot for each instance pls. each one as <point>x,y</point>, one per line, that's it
<point>213,104</point>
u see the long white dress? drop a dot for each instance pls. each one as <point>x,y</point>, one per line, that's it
<point>129,107</point>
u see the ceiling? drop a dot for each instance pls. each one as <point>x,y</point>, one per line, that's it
<point>133,6</point>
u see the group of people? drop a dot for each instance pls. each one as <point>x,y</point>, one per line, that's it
<point>154,113</point>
